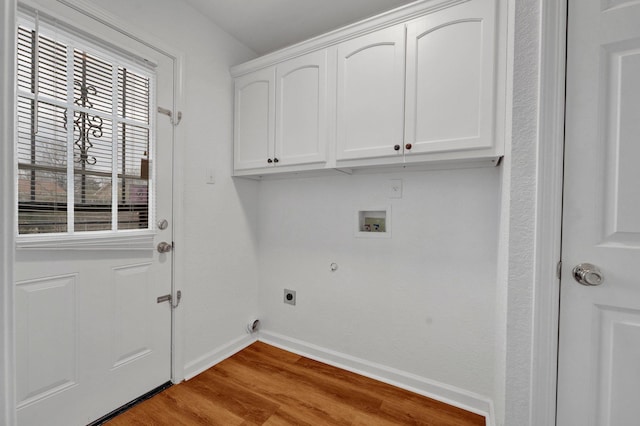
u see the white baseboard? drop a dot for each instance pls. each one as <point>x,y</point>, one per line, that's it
<point>221,353</point>
<point>439,391</point>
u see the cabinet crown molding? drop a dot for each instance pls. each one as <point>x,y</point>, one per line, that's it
<point>395,16</point>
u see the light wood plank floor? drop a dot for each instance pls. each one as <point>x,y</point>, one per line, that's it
<point>263,385</point>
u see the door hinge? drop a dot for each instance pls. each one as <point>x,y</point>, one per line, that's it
<point>169,298</point>
<point>559,269</point>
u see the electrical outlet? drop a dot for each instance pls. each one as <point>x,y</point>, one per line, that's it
<point>289,297</point>
<point>395,188</point>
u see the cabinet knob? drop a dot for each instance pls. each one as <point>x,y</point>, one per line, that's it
<point>269,160</point>
<point>408,146</point>
<point>275,160</point>
<point>397,147</point>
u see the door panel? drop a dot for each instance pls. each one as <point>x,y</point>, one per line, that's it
<point>599,372</point>
<point>46,317</point>
<point>621,62</point>
<point>130,290</point>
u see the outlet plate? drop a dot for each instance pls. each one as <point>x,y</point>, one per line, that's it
<point>395,188</point>
<point>289,297</point>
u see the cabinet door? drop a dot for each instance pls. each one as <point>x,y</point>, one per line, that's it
<point>301,110</point>
<point>450,79</point>
<point>254,119</point>
<point>370,95</point>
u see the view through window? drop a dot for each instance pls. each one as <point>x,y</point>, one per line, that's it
<point>84,138</point>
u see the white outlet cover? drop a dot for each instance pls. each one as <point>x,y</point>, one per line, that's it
<point>395,188</point>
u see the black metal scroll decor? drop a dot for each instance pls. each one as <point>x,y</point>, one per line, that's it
<point>86,125</point>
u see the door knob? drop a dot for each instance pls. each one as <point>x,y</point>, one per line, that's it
<point>164,247</point>
<point>588,274</point>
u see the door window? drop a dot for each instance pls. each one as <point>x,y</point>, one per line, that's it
<point>84,136</point>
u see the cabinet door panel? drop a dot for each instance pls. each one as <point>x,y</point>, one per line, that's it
<point>450,79</point>
<point>370,94</point>
<point>301,110</point>
<point>254,118</point>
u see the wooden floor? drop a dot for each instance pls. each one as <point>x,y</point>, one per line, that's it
<point>263,385</point>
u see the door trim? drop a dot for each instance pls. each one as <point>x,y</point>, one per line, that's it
<point>549,180</point>
<point>7,213</point>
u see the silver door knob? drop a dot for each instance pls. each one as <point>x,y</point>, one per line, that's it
<point>588,274</point>
<point>164,247</point>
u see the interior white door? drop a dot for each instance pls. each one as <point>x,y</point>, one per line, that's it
<point>90,333</point>
<point>599,359</point>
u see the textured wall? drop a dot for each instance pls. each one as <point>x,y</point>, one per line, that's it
<point>422,301</point>
<point>522,213</point>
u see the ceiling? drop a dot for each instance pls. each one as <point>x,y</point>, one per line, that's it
<point>268,25</point>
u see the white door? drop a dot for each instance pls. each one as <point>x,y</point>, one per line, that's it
<point>90,333</point>
<point>599,359</point>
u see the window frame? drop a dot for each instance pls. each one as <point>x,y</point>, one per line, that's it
<point>113,239</point>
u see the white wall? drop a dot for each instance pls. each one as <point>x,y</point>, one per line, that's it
<point>218,250</point>
<point>422,302</point>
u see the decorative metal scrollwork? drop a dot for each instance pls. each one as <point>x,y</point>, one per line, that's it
<point>85,125</point>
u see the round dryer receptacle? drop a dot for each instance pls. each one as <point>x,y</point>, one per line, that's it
<point>253,326</point>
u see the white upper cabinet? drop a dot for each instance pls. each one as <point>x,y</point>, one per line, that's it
<point>281,116</point>
<point>254,132</point>
<point>370,95</point>
<point>301,110</point>
<point>450,85</point>
<point>421,84</point>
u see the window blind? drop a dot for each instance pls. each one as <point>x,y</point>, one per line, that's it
<point>83,139</point>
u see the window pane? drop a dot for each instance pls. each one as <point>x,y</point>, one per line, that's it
<point>42,201</point>
<point>92,169</point>
<point>52,65</point>
<point>42,173</point>
<point>44,145</point>
<point>92,82</point>
<point>133,96</point>
<point>133,212</point>
<point>133,185</point>
<point>93,212</point>
<point>93,149</point>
